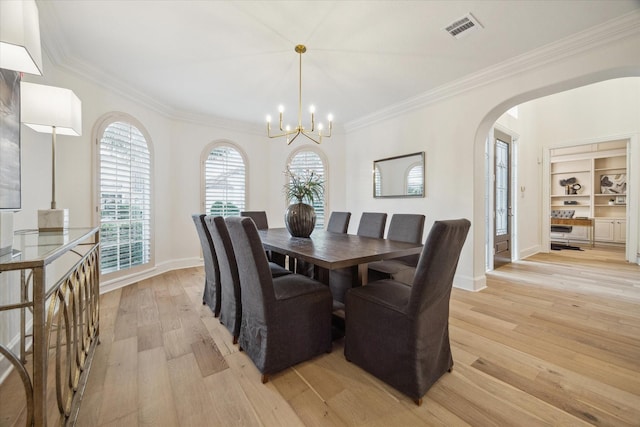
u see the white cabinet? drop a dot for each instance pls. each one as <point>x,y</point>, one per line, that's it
<point>610,230</point>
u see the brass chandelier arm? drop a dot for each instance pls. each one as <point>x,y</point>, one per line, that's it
<point>299,129</point>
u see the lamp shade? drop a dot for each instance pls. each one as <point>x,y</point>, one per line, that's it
<point>20,36</point>
<point>43,107</point>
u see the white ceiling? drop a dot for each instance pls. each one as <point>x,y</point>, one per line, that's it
<point>236,59</point>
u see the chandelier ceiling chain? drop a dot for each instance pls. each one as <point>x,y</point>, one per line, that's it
<point>292,134</point>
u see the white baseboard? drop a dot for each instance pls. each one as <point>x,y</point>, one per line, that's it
<point>527,252</point>
<point>120,282</point>
<point>470,284</point>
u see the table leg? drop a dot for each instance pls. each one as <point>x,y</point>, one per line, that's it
<point>363,274</point>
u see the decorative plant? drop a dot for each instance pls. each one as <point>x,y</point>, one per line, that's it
<point>306,186</point>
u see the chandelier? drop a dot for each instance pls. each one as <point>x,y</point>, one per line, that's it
<point>314,134</point>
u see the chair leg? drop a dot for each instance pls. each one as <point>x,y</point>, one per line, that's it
<point>418,402</point>
<point>265,378</point>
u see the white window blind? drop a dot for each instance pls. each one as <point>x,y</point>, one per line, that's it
<point>125,198</point>
<point>311,161</point>
<point>415,180</point>
<point>225,182</point>
<point>377,182</point>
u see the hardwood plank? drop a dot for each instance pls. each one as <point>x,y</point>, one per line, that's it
<point>120,391</point>
<point>229,400</point>
<point>268,403</point>
<point>147,309</point>
<point>208,357</point>
<point>155,409</point>
<point>192,400</point>
<point>167,312</point>
<point>149,336</point>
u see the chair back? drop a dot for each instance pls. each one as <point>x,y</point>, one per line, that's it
<point>339,222</point>
<point>229,277</point>
<point>372,224</point>
<point>562,213</point>
<point>259,217</point>
<point>211,268</point>
<point>433,280</point>
<point>406,228</point>
<point>257,294</point>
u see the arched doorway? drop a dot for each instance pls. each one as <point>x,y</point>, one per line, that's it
<point>540,221</point>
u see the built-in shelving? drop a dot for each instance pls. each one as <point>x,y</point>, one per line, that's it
<point>599,171</point>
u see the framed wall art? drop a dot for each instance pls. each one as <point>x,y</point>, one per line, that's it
<point>613,183</point>
<point>10,184</point>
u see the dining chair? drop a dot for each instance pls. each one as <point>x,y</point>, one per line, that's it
<point>400,333</point>
<point>285,320</point>
<point>339,222</point>
<point>403,228</point>
<point>260,218</point>
<point>371,224</point>
<point>230,306</point>
<point>556,228</point>
<point>211,296</point>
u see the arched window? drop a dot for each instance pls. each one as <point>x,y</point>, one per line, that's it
<point>124,197</point>
<point>308,160</point>
<point>224,180</point>
<point>415,180</point>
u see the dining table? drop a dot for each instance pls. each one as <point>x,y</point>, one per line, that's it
<point>328,251</point>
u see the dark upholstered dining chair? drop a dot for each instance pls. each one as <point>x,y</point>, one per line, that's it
<point>259,217</point>
<point>400,333</point>
<point>342,279</point>
<point>230,306</point>
<point>262,223</point>
<point>211,295</point>
<point>339,222</point>
<point>372,224</point>
<point>404,228</point>
<point>285,320</point>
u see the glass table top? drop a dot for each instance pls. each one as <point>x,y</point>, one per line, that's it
<point>33,248</point>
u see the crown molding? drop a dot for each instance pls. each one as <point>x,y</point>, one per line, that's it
<point>622,27</point>
<point>616,29</point>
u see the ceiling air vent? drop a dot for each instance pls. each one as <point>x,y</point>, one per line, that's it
<point>463,26</point>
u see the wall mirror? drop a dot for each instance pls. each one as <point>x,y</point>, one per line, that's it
<point>400,176</point>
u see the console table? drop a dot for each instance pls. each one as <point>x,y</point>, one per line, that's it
<point>56,350</point>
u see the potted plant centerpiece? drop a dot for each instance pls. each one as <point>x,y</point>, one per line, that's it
<point>305,188</point>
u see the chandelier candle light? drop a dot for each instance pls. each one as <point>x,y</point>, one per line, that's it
<point>291,134</point>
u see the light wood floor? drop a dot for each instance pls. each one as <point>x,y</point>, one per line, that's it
<point>553,340</point>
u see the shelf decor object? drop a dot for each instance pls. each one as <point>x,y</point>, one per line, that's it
<point>20,48</point>
<point>54,110</point>
<point>292,134</point>
<point>613,183</point>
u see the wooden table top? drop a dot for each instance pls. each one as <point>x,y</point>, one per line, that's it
<point>335,250</point>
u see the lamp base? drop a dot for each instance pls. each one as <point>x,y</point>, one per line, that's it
<point>53,219</point>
